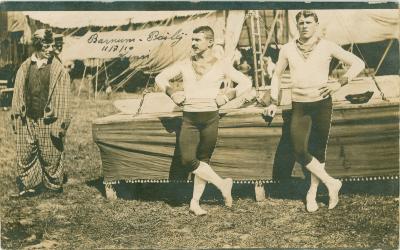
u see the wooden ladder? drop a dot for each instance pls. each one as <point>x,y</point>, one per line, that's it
<point>259,74</point>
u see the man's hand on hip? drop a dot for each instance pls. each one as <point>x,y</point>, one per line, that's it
<point>330,89</point>
<point>230,93</point>
<point>178,98</point>
<point>221,99</point>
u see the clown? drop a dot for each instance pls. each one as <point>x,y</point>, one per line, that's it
<point>40,117</point>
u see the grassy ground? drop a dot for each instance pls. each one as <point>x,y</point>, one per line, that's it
<point>157,215</point>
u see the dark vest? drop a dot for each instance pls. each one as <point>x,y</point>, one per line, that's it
<point>37,90</point>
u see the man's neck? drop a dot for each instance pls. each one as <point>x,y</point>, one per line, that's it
<point>205,55</point>
<point>39,56</point>
<point>309,40</point>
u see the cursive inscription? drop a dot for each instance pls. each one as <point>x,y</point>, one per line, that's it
<point>95,39</point>
<point>126,46</point>
<point>157,36</point>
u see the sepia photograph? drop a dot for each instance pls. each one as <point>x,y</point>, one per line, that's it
<point>199,125</point>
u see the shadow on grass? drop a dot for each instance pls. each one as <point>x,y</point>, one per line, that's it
<point>176,194</point>
<point>98,184</point>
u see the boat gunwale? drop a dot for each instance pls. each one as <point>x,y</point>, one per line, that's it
<point>337,106</point>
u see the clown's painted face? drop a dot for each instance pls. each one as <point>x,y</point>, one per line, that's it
<point>46,51</point>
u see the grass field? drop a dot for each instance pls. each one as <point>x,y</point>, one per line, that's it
<point>157,215</point>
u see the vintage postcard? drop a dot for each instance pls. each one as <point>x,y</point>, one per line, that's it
<point>174,124</point>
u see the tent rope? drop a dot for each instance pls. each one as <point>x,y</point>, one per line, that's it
<point>362,57</point>
<point>383,97</point>
<point>383,56</point>
<point>124,81</point>
<point>102,68</point>
<point>144,93</point>
<point>119,75</point>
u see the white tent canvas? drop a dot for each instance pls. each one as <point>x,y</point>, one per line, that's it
<point>354,26</point>
<point>156,47</point>
<point>73,19</point>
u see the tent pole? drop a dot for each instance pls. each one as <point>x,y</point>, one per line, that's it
<point>97,77</point>
<point>248,29</point>
<point>254,49</point>
<point>269,38</point>
<point>105,71</point>
<point>90,85</point>
<point>383,56</point>
<point>286,39</point>
<point>83,77</point>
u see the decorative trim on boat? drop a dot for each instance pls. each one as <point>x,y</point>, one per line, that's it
<point>260,182</point>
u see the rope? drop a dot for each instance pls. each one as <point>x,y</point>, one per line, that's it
<point>102,68</point>
<point>106,81</point>
<point>373,77</point>
<point>70,34</point>
<point>144,93</point>
<point>120,74</point>
<point>122,83</point>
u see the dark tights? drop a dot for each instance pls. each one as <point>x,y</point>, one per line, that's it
<point>198,137</point>
<point>310,118</point>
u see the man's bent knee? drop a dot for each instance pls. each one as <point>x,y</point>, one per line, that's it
<point>190,164</point>
<point>303,157</point>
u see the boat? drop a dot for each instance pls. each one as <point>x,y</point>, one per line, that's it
<point>139,144</point>
<point>363,144</point>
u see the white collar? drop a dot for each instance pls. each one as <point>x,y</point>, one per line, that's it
<point>39,62</point>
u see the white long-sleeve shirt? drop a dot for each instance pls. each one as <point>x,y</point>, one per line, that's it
<point>201,93</point>
<point>309,74</point>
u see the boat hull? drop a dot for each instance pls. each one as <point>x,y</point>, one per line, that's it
<point>364,141</point>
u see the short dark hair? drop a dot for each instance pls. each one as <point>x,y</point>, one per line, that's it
<point>206,30</point>
<point>39,40</point>
<point>306,13</point>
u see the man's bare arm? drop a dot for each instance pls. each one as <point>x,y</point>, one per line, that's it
<point>356,64</point>
<point>244,83</point>
<point>162,81</point>
<point>163,78</point>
